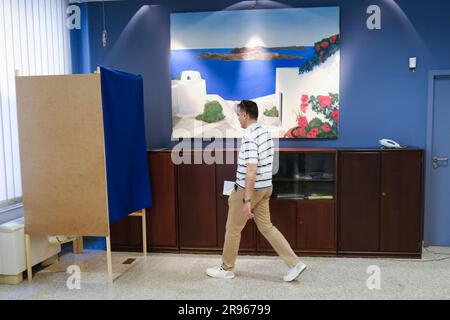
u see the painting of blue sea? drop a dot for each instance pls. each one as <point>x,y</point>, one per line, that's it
<point>220,58</point>
<point>227,78</point>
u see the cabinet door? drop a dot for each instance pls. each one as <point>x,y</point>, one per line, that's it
<point>401,203</point>
<point>358,191</point>
<point>162,217</point>
<point>248,235</point>
<point>126,234</point>
<point>283,215</point>
<point>316,225</point>
<point>197,206</point>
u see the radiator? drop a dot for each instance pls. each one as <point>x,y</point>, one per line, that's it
<point>12,248</point>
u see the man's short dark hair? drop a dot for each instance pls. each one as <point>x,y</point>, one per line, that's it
<point>249,107</point>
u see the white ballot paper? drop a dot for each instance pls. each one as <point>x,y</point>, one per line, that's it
<point>228,187</point>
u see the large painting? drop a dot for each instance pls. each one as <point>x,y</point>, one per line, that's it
<point>286,60</point>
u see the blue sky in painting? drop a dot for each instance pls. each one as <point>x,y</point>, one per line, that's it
<point>271,28</point>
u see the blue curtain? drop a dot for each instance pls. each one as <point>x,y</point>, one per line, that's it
<point>127,173</point>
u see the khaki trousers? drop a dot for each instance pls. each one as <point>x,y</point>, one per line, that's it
<point>236,221</point>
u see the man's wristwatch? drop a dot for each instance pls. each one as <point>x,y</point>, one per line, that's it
<point>246,200</point>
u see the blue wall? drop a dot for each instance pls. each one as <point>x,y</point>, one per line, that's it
<point>79,43</point>
<point>380,96</point>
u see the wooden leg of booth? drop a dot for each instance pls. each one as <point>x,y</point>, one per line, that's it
<point>144,228</point>
<point>108,258</point>
<point>144,233</point>
<point>28,258</point>
<point>78,245</point>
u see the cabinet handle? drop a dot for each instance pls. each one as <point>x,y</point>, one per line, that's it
<point>383,194</point>
<point>301,222</point>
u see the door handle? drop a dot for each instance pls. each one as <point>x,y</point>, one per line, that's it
<point>437,161</point>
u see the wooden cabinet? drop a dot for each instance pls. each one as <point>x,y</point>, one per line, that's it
<point>126,234</point>
<point>308,179</point>
<point>361,202</point>
<point>316,226</point>
<point>380,207</point>
<point>197,206</point>
<point>401,202</point>
<point>162,216</point>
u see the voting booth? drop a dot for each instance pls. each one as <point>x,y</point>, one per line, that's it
<point>82,153</point>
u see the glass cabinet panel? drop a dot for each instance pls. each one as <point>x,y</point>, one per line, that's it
<point>306,176</point>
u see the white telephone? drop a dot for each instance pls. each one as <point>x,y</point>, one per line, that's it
<point>388,143</point>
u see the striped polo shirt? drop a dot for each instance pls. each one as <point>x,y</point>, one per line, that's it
<point>256,147</point>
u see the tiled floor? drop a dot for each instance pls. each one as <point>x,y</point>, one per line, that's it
<point>182,276</point>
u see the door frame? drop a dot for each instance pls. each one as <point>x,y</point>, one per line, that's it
<point>432,76</point>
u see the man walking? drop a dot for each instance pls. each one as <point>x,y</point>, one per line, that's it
<point>250,198</point>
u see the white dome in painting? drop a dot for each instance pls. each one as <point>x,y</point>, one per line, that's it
<point>190,76</point>
<point>189,94</point>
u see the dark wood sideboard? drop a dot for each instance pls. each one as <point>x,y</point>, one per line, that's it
<point>352,202</point>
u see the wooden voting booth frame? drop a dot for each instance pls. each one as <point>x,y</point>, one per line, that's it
<point>62,153</point>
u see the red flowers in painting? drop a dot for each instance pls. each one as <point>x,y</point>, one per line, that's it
<point>302,132</point>
<point>303,107</point>
<point>325,101</point>
<point>318,118</point>
<point>326,128</point>
<point>335,115</point>
<point>313,133</point>
<point>323,49</point>
<point>302,122</point>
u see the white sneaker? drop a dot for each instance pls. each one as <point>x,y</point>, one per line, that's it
<point>220,273</point>
<point>294,272</point>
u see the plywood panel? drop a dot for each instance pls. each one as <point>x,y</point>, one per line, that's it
<point>62,155</point>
